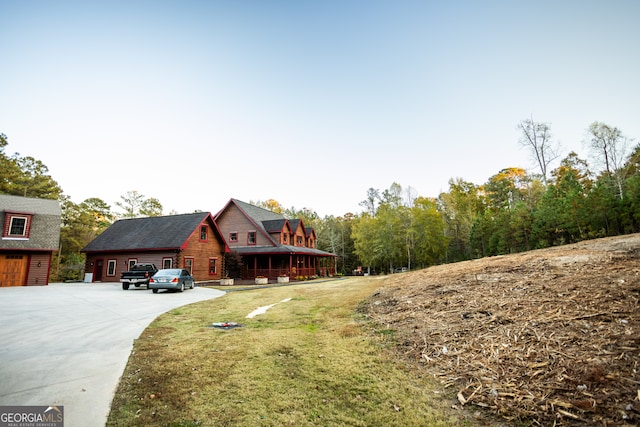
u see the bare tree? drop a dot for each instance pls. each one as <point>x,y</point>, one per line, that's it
<point>537,137</point>
<point>609,146</point>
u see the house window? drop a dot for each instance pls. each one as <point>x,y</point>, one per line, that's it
<point>188,265</point>
<point>213,266</point>
<point>16,226</point>
<point>203,233</point>
<point>285,238</point>
<point>167,262</point>
<point>251,238</point>
<point>111,267</point>
<point>131,262</point>
<point>233,236</point>
<point>299,240</point>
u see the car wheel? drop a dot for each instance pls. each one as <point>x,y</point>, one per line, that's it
<point>125,286</point>
<point>155,291</point>
<point>182,287</point>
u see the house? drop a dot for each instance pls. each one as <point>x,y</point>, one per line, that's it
<point>189,241</point>
<point>271,245</point>
<point>30,235</point>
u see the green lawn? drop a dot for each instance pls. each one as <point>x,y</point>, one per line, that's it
<point>308,361</point>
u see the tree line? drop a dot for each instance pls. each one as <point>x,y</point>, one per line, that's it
<point>515,210</point>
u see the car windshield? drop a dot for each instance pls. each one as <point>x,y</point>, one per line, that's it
<point>169,272</point>
<point>141,267</point>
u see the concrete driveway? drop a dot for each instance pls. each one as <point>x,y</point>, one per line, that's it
<point>68,344</point>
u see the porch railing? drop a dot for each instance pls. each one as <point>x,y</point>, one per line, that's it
<point>297,273</point>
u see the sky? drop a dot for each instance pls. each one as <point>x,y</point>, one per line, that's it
<point>310,103</point>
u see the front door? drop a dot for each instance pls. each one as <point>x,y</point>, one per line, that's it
<point>97,271</point>
<point>13,270</point>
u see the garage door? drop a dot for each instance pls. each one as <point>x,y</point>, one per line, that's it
<point>13,270</point>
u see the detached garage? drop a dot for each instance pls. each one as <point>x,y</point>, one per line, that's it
<point>30,235</point>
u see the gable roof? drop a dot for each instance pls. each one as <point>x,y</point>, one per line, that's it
<point>153,233</point>
<point>295,223</point>
<point>274,225</point>
<point>267,222</point>
<point>256,215</point>
<point>45,227</point>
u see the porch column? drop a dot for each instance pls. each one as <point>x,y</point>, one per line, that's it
<point>291,266</point>
<point>255,267</point>
<point>269,275</point>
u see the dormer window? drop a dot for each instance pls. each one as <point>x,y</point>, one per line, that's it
<point>17,226</point>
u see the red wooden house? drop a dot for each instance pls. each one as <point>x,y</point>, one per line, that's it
<point>189,241</point>
<point>30,235</point>
<point>271,245</point>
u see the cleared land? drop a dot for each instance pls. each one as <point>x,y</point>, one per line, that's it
<point>548,337</point>
<point>539,338</point>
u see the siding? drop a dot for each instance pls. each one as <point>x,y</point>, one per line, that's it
<point>39,275</point>
<point>234,220</point>
<point>201,251</point>
<point>122,260</point>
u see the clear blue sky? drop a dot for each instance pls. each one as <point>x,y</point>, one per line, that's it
<point>306,102</point>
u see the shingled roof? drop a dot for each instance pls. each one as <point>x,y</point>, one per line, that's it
<point>45,229</point>
<point>270,222</point>
<point>153,233</point>
<point>274,225</point>
<point>257,213</point>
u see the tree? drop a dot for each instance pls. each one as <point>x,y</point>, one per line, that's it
<point>81,223</point>
<point>504,189</point>
<point>334,235</point>
<point>25,176</point>
<point>427,231</point>
<point>370,203</point>
<point>270,205</point>
<point>609,146</point>
<point>9,170</point>
<point>399,235</point>
<point>537,137</point>
<point>308,216</point>
<point>151,207</point>
<point>561,216</point>
<point>365,240</point>
<point>135,205</point>
<point>393,196</point>
<point>460,208</point>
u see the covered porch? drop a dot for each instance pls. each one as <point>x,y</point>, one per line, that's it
<point>297,263</point>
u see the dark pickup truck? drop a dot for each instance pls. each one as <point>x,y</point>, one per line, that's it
<point>138,275</point>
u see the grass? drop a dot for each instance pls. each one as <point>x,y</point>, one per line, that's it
<point>305,362</point>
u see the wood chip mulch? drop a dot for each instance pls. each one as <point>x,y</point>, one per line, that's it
<point>548,337</point>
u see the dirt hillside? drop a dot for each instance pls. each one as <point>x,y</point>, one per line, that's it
<point>547,337</point>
